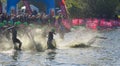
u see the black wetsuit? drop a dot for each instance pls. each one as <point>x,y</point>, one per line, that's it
<point>15,39</point>
<point>49,42</point>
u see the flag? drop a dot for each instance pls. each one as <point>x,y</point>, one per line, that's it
<point>63,8</point>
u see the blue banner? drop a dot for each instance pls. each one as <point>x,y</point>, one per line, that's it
<point>50,4</point>
<point>11,4</point>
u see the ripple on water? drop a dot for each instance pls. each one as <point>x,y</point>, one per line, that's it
<point>91,56</point>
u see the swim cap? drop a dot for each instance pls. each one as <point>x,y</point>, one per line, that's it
<point>53,30</point>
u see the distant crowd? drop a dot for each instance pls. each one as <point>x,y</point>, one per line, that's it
<point>40,18</point>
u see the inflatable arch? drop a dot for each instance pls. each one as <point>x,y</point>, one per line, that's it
<point>13,4</point>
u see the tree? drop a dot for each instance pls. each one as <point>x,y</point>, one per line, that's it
<point>92,8</point>
<point>3,1</point>
<point>100,8</point>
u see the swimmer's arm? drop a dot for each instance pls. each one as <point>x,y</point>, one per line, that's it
<point>54,33</point>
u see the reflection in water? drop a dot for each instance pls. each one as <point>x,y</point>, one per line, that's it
<point>92,56</point>
<point>16,55</point>
<point>51,55</point>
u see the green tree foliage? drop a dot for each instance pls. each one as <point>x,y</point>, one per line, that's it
<point>3,1</point>
<point>84,8</point>
<point>92,8</point>
<point>20,4</point>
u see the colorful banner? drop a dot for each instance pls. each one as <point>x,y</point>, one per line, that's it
<point>50,4</point>
<point>66,24</point>
<point>63,7</point>
<point>11,5</point>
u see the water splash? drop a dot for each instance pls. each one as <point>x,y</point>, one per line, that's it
<point>78,38</point>
<point>32,38</point>
<point>35,38</point>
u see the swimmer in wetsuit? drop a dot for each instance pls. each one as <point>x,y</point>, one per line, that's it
<point>50,40</point>
<point>15,39</point>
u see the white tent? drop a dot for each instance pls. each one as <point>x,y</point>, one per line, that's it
<point>32,7</point>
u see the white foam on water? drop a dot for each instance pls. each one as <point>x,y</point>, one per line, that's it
<point>35,38</point>
<point>77,37</point>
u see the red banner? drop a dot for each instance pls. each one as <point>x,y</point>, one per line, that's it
<point>66,24</point>
<point>28,9</point>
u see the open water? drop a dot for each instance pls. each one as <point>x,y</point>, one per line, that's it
<point>101,49</point>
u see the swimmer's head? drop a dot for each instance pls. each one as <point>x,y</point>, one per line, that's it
<point>53,30</point>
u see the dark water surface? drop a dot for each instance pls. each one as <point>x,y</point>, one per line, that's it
<point>92,56</point>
